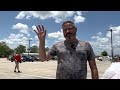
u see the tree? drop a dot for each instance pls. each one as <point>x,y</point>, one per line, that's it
<point>5,50</point>
<point>34,49</point>
<point>104,53</point>
<point>20,49</point>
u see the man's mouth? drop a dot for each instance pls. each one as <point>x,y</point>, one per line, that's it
<point>69,35</point>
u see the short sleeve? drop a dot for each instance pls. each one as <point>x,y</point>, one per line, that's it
<point>90,52</point>
<point>52,51</point>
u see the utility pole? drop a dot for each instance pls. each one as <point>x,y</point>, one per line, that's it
<point>29,47</point>
<point>111,30</point>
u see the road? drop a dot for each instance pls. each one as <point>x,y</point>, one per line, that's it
<point>39,70</point>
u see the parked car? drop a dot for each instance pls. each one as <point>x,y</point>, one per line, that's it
<point>11,58</point>
<point>26,58</point>
<point>104,58</point>
<point>35,58</point>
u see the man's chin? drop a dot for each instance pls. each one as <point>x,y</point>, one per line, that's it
<point>68,39</point>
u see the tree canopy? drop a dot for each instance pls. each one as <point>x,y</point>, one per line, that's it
<point>104,53</point>
<point>5,50</point>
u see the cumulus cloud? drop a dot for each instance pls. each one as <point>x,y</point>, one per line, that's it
<point>21,15</point>
<point>58,16</point>
<point>99,33</point>
<point>101,43</point>
<point>34,27</point>
<point>56,35</point>
<point>23,28</point>
<point>16,39</point>
<point>79,19</point>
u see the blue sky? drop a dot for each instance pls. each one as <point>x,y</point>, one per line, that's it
<point>16,27</point>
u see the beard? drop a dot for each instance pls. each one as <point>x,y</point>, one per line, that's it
<point>69,35</point>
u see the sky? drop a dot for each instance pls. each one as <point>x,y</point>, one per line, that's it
<point>17,27</point>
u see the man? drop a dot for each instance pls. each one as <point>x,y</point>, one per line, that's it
<point>17,59</point>
<point>113,71</point>
<point>72,53</point>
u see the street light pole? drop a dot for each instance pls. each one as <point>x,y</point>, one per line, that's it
<point>111,43</point>
<point>29,47</point>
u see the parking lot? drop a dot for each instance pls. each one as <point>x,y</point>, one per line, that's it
<point>39,70</point>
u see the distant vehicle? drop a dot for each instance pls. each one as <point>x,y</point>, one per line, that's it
<point>104,58</point>
<point>99,58</point>
<point>116,58</point>
<point>11,58</point>
<point>32,57</point>
<point>35,58</point>
<point>26,58</point>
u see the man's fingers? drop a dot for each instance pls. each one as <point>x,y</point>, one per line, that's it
<point>36,31</point>
<point>45,32</point>
<point>43,28</point>
<point>40,28</point>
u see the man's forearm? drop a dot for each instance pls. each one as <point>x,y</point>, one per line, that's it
<point>95,74</point>
<point>42,52</point>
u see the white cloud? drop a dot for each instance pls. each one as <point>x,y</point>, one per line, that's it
<point>99,33</point>
<point>20,26</point>
<point>101,43</point>
<point>79,19</point>
<point>23,28</point>
<point>34,45</point>
<point>20,15</point>
<point>36,37</point>
<point>34,27</point>
<point>56,35</point>
<point>16,39</point>
<point>79,13</point>
<point>58,16</point>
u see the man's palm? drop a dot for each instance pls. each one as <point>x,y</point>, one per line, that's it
<point>41,32</point>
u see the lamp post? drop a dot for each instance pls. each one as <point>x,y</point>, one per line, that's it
<point>29,47</point>
<point>112,54</point>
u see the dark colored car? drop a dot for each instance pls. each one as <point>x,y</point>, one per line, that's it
<point>35,58</point>
<point>26,58</point>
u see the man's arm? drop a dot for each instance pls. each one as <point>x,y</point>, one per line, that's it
<point>43,55</point>
<point>92,63</point>
<point>41,33</point>
<point>94,70</point>
<point>42,52</point>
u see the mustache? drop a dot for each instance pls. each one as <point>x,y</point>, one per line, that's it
<point>68,34</point>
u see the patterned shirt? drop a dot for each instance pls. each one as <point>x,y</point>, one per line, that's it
<point>72,59</point>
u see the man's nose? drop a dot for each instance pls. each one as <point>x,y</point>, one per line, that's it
<point>68,30</point>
